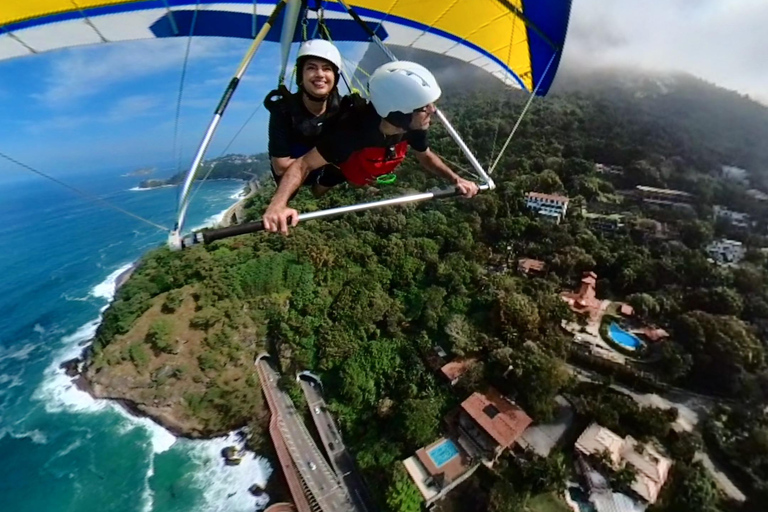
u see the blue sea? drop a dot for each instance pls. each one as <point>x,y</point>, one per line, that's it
<point>61,450</point>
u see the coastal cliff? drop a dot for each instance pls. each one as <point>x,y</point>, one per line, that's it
<point>229,167</point>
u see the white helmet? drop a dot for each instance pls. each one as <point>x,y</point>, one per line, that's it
<point>402,86</point>
<point>322,49</point>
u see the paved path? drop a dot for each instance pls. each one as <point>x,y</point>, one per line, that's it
<point>321,482</point>
<point>341,460</point>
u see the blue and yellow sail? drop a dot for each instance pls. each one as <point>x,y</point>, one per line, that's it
<point>518,41</point>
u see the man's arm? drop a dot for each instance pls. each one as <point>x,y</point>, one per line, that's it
<point>281,164</point>
<point>277,214</point>
<point>435,165</point>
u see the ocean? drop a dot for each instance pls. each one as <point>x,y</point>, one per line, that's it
<point>61,450</point>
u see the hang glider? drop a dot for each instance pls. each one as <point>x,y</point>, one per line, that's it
<point>517,41</point>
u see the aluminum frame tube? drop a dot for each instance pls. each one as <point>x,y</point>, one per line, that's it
<point>174,238</point>
<point>286,37</point>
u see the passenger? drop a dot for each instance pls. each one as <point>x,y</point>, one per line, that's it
<point>298,119</point>
<point>372,141</point>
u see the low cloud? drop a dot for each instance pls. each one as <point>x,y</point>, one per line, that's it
<point>723,42</point>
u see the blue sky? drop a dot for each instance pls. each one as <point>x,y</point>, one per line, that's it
<point>112,106</point>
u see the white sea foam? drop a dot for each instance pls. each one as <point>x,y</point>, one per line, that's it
<point>106,289</point>
<point>39,329</point>
<point>239,194</point>
<point>142,189</point>
<point>35,435</point>
<point>212,221</point>
<point>220,481</point>
<point>17,353</point>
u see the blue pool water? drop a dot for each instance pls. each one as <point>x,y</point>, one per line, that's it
<point>624,338</point>
<point>443,452</point>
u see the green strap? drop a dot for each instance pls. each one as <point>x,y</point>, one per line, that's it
<point>386,179</point>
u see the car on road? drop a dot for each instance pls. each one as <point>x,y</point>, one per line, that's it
<point>317,410</point>
<point>311,465</point>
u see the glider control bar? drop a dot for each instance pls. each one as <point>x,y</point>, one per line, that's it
<point>209,236</point>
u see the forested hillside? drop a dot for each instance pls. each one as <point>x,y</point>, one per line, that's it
<point>363,299</point>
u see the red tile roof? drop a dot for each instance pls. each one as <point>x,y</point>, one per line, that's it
<point>503,420</point>
<point>457,368</point>
<point>527,265</point>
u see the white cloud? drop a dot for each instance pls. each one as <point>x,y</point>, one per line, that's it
<point>723,42</point>
<point>81,72</point>
<point>134,106</point>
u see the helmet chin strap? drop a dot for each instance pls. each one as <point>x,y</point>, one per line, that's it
<point>400,120</point>
<point>312,97</point>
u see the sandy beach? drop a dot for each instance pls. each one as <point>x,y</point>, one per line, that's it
<point>234,213</point>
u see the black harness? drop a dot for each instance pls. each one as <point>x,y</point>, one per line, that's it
<point>282,102</point>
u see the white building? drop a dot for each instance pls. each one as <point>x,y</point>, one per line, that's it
<point>726,251</point>
<point>650,465</point>
<point>664,196</point>
<point>737,219</point>
<point>551,206</point>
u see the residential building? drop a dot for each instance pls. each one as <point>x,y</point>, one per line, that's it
<point>604,223</point>
<point>438,468</point>
<point>737,219</point>
<point>726,251</point>
<point>651,467</point>
<point>757,195</point>
<point>489,424</point>
<point>550,206</point>
<point>663,196</point>
<point>455,369</point>
<point>584,301</point>
<point>528,266</point>
<point>626,310</point>
<point>608,169</point>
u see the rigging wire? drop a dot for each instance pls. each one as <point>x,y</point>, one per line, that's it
<point>522,114</point>
<point>197,189</point>
<point>89,197</point>
<point>181,90</point>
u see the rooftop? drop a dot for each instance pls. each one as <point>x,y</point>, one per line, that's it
<point>663,191</point>
<point>597,439</point>
<point>502,419</point>
<point>651,466</point>
<point>529,265</point>
<point>457,368</point>
<point>552,197</point>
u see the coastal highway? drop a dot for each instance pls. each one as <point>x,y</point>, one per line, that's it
<point>318,476</point>
<point>341,460</point>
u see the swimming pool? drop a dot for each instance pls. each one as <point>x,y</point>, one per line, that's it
<point>623,338</point>
<point>443,452</point>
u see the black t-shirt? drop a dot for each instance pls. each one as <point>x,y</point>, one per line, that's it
<point>286,139</point>
<point>360,130</point>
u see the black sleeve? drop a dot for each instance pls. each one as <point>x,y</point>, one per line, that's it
<point>335,146</point>
<point>279,133</point>
<point>418,140</point>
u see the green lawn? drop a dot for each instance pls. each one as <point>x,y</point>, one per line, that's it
<point>547,503</point>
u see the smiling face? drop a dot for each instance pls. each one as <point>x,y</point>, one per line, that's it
<point>422,117</point>
<point>318,77</point>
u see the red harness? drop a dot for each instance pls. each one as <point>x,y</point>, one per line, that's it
<point>364,166</point>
